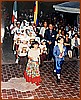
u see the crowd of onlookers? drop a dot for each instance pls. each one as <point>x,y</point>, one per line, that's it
<point>23,33</point>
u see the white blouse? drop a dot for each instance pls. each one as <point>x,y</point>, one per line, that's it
<point>34,54</point>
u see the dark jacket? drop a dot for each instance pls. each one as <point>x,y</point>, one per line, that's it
<point>50,37</point>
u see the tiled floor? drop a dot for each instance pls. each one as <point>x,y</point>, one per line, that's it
<point>69,86</point>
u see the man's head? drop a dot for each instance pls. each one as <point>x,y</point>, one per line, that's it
<point>50,26</point>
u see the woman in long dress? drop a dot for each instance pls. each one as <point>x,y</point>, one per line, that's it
<point>32,73</point>
<point>59,52</point>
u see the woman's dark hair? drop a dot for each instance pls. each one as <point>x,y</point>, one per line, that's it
<point>45,22</point>
<point>67,34</point>
<point>34,42</point>
<point>59,38</point>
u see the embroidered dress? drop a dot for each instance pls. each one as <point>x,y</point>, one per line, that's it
<point>32,73</point>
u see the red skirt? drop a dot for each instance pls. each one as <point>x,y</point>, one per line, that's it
<point>36,80</point>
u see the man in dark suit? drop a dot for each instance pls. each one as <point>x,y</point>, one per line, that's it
<point>50,36</point>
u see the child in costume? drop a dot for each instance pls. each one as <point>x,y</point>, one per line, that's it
<point>43,51</point>
<point>32,73</point>
<point>59,52</point>
<point>23,52</point>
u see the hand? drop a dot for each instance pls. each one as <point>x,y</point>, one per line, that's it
<point>50,43</point>
<point>60,56</point>
<point>30,58</point>
<point>78,47</point>
<point>46,53</point>
<point>66,44</point>
<point>29,61</point>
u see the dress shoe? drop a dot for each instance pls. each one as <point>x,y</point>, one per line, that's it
<point>58,80</point>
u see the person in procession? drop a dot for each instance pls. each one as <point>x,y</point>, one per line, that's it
<point>43,51</point>
<point>32,73</point>
<point>59,52</point>
<point>23,53</point>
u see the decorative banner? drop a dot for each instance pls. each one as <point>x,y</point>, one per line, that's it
<point>14,16</point>
<point>35,12</point>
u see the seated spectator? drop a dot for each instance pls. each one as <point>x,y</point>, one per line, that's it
<point>67,43</point>
<point>67,28</point>
<point>76,44</point>
<point>63,33</point>
<point>59,33</point>
<point>71,33</point>
<point>42,30</point>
